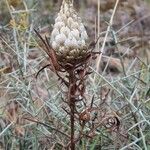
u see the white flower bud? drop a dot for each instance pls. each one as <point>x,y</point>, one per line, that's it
<point>71,43</point>
<point>64,18</point>
<point>74,25</point>
<point>74,16</point>
<point>70,21</point>
<point>70,36</point>
<point>58,19</point>
<point>66,9</point>
<point>74,43</point>
<point>54,33</point>
<point>55,45</point>
<point>60,39</point>
<point>84,35</point>
<point>62,49</point>
<point>58,25</point>
<point>67,43</point>
<point>67,14</point>
<point>81,43</point>
<point>75,33</point>
<point>81,28</point>
<point>65,30</point>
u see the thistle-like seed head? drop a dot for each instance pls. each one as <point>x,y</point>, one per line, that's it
<point>69,35</point>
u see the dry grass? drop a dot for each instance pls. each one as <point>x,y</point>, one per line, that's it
<point>31,114</point>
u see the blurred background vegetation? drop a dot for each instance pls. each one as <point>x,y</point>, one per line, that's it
<point>124,70</point>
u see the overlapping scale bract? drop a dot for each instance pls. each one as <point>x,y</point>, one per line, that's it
<point>69,35</point>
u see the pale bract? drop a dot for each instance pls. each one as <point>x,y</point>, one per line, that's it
<point>69,36</point>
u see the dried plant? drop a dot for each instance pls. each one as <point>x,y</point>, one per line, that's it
<point>70,56</point>
<point>86,108</point>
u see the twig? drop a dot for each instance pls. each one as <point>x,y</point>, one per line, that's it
<point>46,125</point>
<point>108,30</point>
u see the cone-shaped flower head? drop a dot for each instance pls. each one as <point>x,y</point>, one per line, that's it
<point>69,36</point>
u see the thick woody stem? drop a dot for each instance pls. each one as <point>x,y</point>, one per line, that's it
<point>71,98</point>
<point>72,127</point>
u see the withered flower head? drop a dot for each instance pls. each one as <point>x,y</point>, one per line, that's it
<point>69,35</point>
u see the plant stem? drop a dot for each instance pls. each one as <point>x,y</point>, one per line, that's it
<point>71,98</point>
<point>72,127</point>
